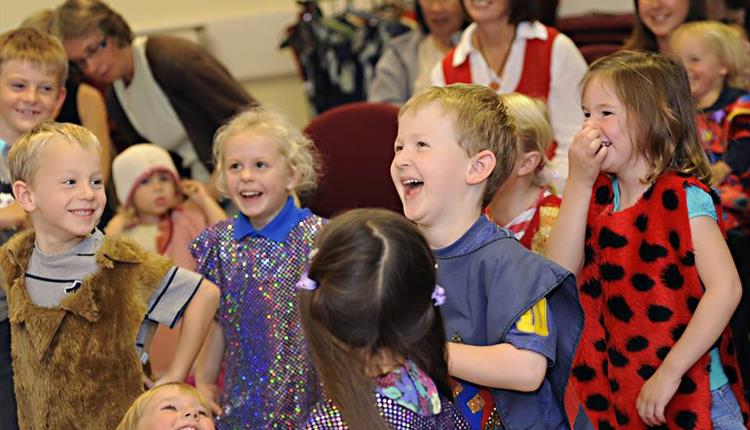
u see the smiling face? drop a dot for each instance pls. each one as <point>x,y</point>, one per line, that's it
<point>662,17</point>
<point>429,167</point>
<point>29,95</point>
<point>258,177</point>
<point>604,111</point>
<point>66,195</point>
<point>173,409</point>
<point>487,10</point>
<point>705,69</point>
<point>155,195</point>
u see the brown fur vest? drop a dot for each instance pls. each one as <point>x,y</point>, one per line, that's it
<point>76,365</point>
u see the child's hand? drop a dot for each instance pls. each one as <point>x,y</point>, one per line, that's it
<point>13,217</point>
<point>654,397</point>
<point>585,156</point>
<point>211,392</point>
<point>122,221</point>
<point>195,191</point>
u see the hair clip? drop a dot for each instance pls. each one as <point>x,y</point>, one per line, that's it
<point>438,295</point>
<point>305,283</point>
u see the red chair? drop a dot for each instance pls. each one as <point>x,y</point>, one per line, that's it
<point>356,144</point>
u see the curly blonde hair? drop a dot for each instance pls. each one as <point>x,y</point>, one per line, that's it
<point>295,147</point>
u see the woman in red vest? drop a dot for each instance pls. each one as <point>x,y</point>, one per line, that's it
<point>507,49</point>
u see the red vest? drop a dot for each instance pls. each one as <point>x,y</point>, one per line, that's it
<point>639,288</point>
<point>536,73</point>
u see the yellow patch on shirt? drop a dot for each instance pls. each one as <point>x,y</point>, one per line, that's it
<point>534,321</point>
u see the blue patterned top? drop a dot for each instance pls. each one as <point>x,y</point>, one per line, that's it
<point>407,399</point>
<point>269,379</point>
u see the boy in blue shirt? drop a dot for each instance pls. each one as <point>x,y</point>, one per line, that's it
<point>455,146</point>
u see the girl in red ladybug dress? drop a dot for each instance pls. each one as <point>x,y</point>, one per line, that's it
<point>643,231</point>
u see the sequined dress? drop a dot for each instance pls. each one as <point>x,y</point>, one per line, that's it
<point>269,379</point>
<point>407,399</point>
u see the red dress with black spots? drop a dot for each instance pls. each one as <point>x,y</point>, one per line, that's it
<point>639,288</point>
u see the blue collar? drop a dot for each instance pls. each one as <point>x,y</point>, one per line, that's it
<point>279,227</point>
<point>477,236</point>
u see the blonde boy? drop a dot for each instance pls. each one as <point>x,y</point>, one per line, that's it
<point>455,146</point>
<point>80,302</point>
<point>33,69</point>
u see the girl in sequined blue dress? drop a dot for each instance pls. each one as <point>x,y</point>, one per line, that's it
<point>369,309</point>
<point>256,258</point>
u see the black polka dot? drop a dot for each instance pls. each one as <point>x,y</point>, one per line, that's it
<point>669,200</point>
<point>611,272</point>
<point>677,332</point>
<point>659,427</point>
<point>672,277</point>
<point>600,345</point>
<point>686,419</point>
<point>641,223</point>
<point>592,288</point>
<point>610,239</point>
<point>583,373</point>
<point>616,357</point>
<point>602,195</point>
<point>642,282</point>
<point>731,374</point>
<point>606,425</point>
<point>645,371</point>
<point>605,367</point>
<point>619,308</point>
<point>687,385</point>
<point>588,255</point>
<point>622,417</point>
<point>674,240</point>
<point>657,313</point>
<point>588,233</point>
<point>692,303</point>
<point>648,193</point>
<point>636,343</point>
<point>597,402</point>
<point>688,259</point>
<point>614,385</point>
<point>662,352</point>
<point>650,253</point>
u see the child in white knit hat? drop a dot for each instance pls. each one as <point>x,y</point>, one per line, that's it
<point>153,211</point>
<point>155,214</point>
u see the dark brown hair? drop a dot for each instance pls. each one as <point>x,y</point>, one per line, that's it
<point>79,18</point>
<point>375,275</point>
<point>655,92</point>
<point>643,38</point>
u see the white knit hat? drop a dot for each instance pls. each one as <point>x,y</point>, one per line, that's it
<point>136,163</point>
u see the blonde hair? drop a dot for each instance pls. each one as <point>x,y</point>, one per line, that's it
<point>295,147</point>
<point>655,93</point>
<point>135,413</point>
<point>726,42</point>
<point>40,20</point>
<point>38,48</point>
<point>481,121</point>
<point>26,154</point>
<point>533,125</point>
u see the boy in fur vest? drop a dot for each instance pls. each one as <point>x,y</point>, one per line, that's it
<point>81,304</point>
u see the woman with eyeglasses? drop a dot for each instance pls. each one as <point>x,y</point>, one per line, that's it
<point>161,89</point>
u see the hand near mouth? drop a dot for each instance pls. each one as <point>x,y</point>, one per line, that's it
<point>586,154</point>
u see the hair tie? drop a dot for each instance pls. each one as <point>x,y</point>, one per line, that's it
<point>305,283</point>
<point>438,295</point>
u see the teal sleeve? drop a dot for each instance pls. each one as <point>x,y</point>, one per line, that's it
<point>699,203</point>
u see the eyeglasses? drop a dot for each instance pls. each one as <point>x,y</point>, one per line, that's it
<point>90,52</point>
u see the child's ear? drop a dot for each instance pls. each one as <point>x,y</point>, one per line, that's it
<point>529,162</point>
<point>58,103</point>
<point>481,167</point>
<point>24,195</point>
<point>294,179</point>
